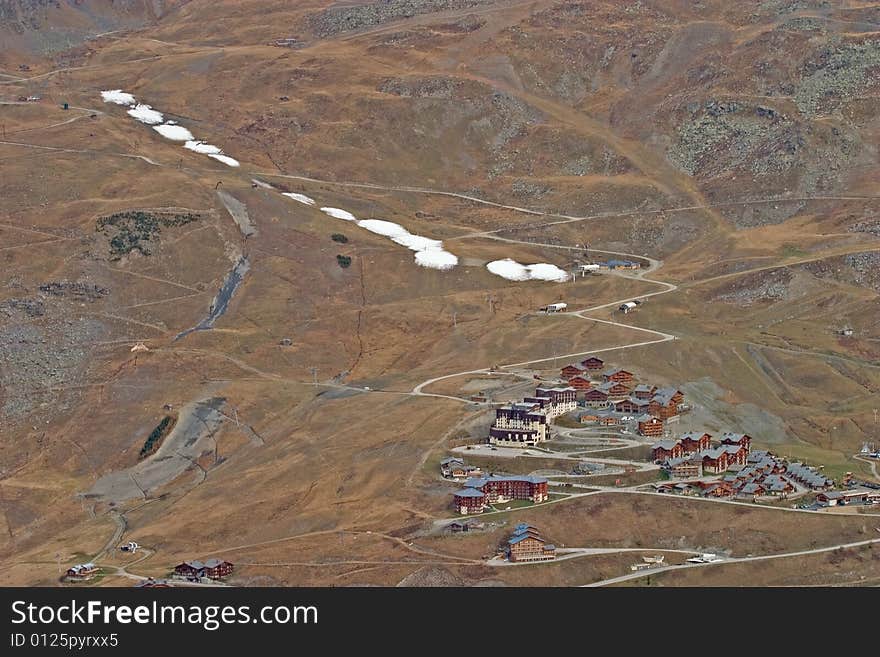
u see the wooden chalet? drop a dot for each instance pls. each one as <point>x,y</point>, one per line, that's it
<point>580,383</point>
<point>212,569</point>
<point>693,442</point>
<point>666,449</point>
<point>649,426</point>
<point>741,439</point>
<point>593,364</point>
<point>572,370</point>
<point>663,405</point>
<point>527,544</point>
<point>618,375</point>
<point>632,405</point>
<point>615,389</point>
<point>715,460</point>
<point>595,398</point>
<point>644,391</point>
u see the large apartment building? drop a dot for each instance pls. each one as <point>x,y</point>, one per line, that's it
<point>519,424</point>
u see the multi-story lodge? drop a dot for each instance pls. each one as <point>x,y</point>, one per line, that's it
<point>692,442</point>
<point>684,468</point>
<point>632,405</point>
<point>470,500</point>
<point>741,439</point>
<point>555,401</point>
<point>572,370</point>
<point>593,364</point>
<point>644,391</point>
<point>500,489</point>
<point>580,382</point>
<point>596,398</point>
<point>649,426</point>
<point>665,402</point>
<point>519,424</point>
<point>665,450</point>
<point>618,375</point>
<point>527,544</point>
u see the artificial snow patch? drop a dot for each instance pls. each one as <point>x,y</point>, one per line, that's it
<point>174,132</point>
<point>509,269</point>
<point>546,272</point>
<point>416,242</point>
<point>302,198</point>
<point>117,96</point>
<point>429,253</point>
<point>146,114</point>
<point>436,259</point>
<point>384,228</point>
<point>225,159</point>
<point>202,147</point>
<point>169,129</point>
<point>339,214</point>
<point>514,271</point>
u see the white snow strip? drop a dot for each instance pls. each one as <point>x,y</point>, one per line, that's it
<point>509,269</point>
<point>436,259</point>
<point>339,214</point>
<point>302,198</point>
<point>515,271</point>
<point>117,96</point>
<point>202,147</point>
<point>146,114</point>
<point>225,159</point>
<point>416,242</point>
<point>382,227</point>
<point>174,132</point>
<point>546,272</point>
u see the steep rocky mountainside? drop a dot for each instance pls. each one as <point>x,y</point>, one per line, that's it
<point>43,26</point>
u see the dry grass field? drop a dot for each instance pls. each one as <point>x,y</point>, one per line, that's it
<point>734,146</point>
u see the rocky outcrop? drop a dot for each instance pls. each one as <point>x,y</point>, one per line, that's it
<point>337,20</point>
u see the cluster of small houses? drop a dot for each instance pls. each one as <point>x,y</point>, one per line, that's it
<point>196,570</point>
<point>193,571</point>
<point>608,265</point>
<point>608,398</point>
<point>747,474</point>
<point>613,397</point>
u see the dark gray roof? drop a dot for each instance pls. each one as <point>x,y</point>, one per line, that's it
<point>469,492</point>
<point>664,444</point>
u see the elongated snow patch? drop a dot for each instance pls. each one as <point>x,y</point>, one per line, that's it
<point>339,214</point>
<point>436,259</point>
<point>146,114</point>
<point>174,132</point>
<point>225,159</point>
<point>416,242</point>
<point>202,147</point>
<point>382,227</point>
<point>428,252</point>
<point>117,96</point>
<point>302,198</point>
<point>515,271</point>
<point>168,129</point>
